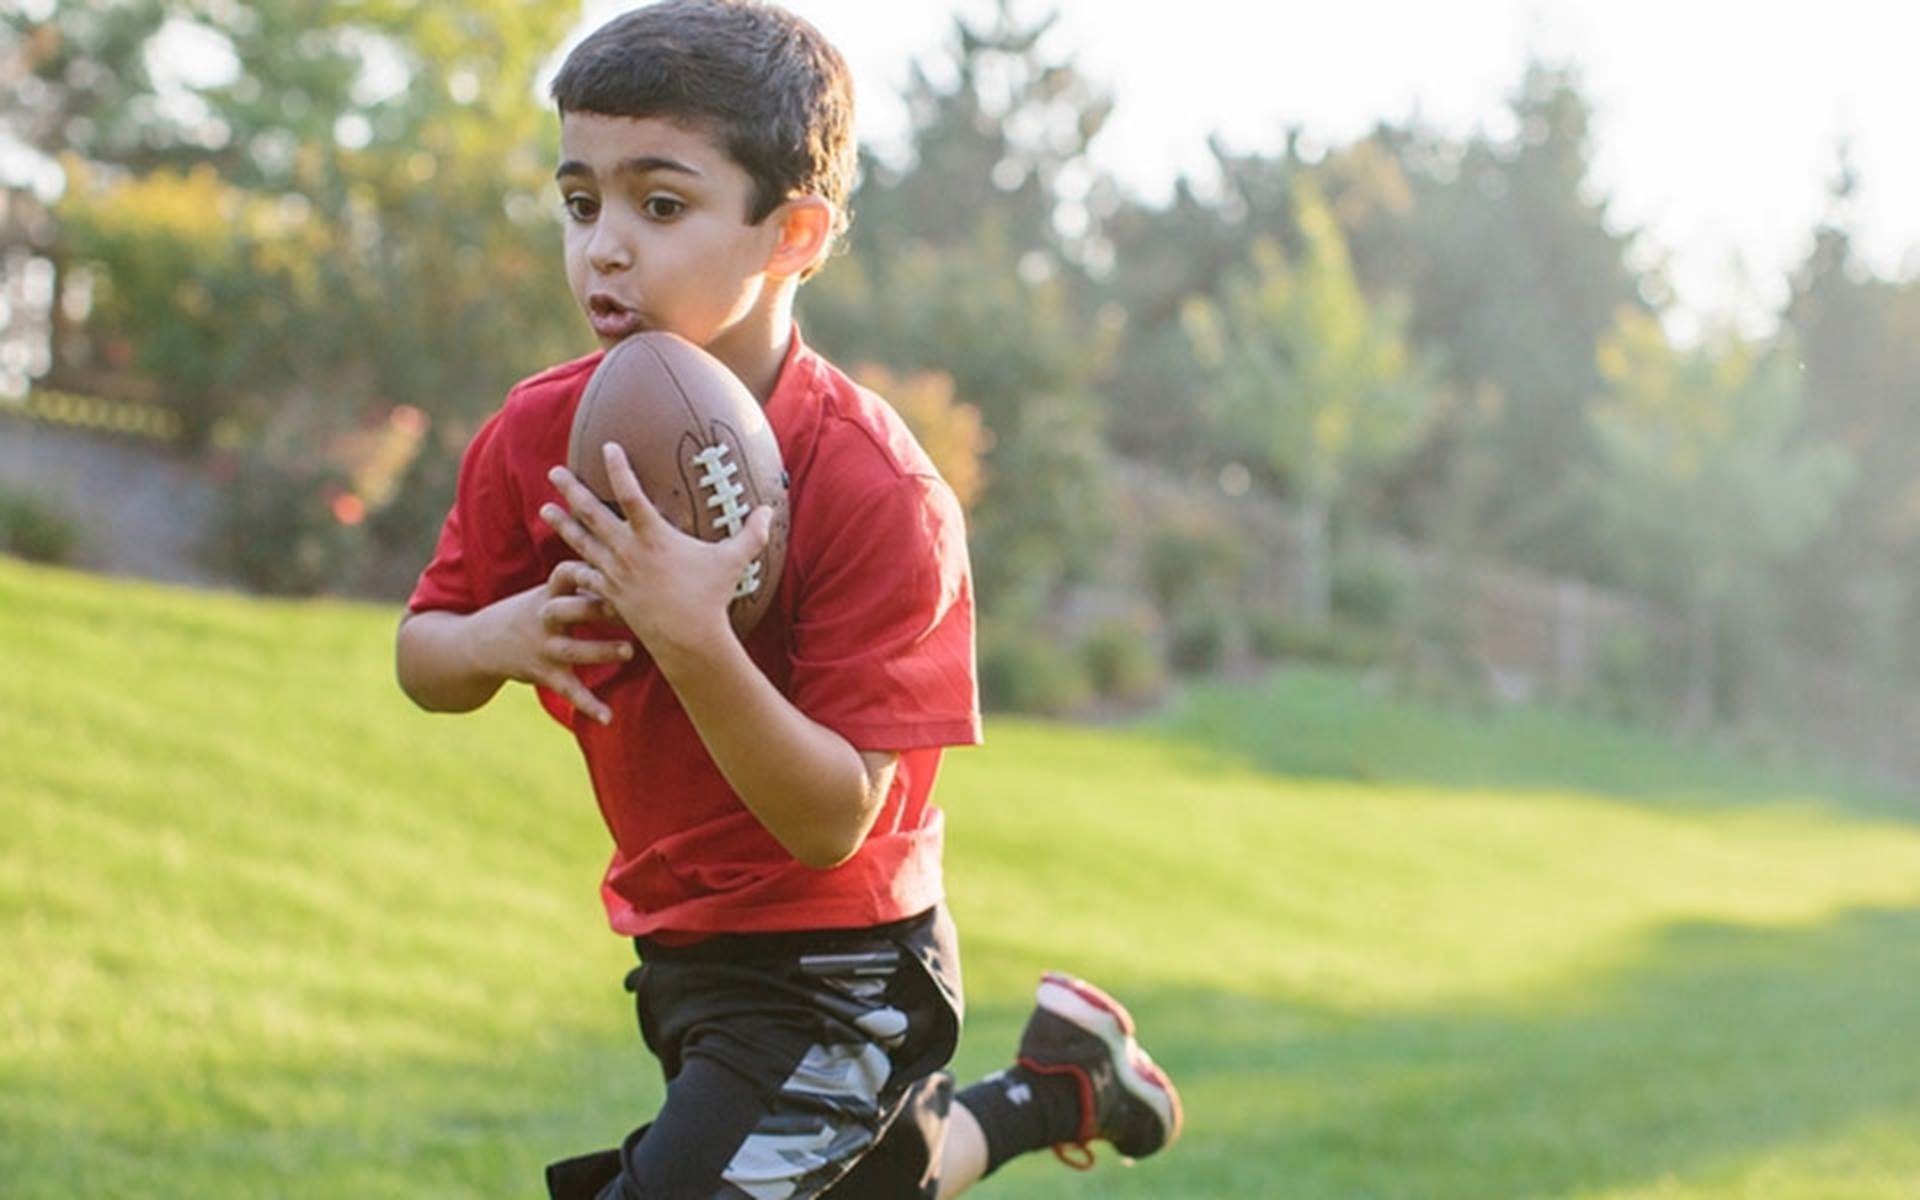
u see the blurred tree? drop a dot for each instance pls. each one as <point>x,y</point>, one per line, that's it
<point>1706,479</point>
<point>334,211</point>
<point>997,125</point>
<point>1506,251</point>
<point>1165,256</point>
<point>1859,337</point>
<point>74,84</point>
<point>1304,373</point>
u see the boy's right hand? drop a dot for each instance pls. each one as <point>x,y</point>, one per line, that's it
<point>528,640</point>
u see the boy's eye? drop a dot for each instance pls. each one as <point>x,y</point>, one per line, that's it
<point>580,206</point>
<point>662,208</point>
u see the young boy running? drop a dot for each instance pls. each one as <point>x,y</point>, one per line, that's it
<point>776,854</point>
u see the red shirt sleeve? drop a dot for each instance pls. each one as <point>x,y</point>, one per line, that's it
<point>484,552</point>
<point>882,635</point>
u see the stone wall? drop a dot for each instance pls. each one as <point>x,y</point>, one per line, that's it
<point>140,510</point>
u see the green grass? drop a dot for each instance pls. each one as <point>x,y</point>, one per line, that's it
<point>267,931</point>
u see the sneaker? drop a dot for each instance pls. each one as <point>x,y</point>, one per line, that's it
<point>1079,1030</point>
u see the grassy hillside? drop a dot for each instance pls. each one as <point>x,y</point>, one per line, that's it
<point>270,932</point>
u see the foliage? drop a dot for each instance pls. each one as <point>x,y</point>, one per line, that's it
<point>1188,560</point>
<point>355,220</point>
<point>1707,480</point>
<point>1304,372</point>
<point>1854,591</point>
<point>1199,638</point>
<point>36,530</point>
<point>1123,662</point>
<point>1508,254</point>
<point>1023,670</point>
<point>209,285</point>
<point>284,527</point>
<point>1339,643</point>
<point>1368,588</point>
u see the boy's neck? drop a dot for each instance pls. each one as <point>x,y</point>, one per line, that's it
<point>756,347</point>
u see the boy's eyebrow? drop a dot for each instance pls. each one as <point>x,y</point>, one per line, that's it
<point>639,165</point>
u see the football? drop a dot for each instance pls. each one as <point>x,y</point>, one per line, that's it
<point>699,443</point>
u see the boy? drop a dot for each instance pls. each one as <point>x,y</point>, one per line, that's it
<point>777,861</point>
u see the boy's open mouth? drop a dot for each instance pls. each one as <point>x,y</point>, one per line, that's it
<point>610,318</point>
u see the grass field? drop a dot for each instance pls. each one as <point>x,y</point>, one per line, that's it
<point>267,932</point>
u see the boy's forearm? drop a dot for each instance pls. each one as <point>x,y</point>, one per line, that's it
<point>434,659</point>
<point>808,785</point>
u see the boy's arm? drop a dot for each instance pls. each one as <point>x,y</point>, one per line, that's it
<point>456,662</point>
<point>809,786</point>
<point>815,793</point>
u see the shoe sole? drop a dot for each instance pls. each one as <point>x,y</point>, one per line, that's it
<point>1087,1007</point>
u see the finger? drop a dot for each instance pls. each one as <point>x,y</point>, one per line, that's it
<point>566,578</point>
<point>568,685</point>
<point>588,509</point>
<point>557,615</point>
<point>582,540</point>
<point>626,488</point>
<point>753,536</point>
<point>580,652</point>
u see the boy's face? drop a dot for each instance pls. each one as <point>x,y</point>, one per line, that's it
<point>656,232</point>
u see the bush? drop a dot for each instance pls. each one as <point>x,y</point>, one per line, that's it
<point>1199,641</point>
<point>1636,679</point>
<point>1187,560</point>
<point>1338,642</point>
<point>34,529</point>
<point>284,528</point>
<point>1122,663</point>
<point>1025,672</point>
<point>1368,589</point>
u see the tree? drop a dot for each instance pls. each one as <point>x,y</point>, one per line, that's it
<point>1307,375</point>
<point>1706,479</point>
<point>353,215</point>
<point>1859,339</point>
<point>1514,274</point>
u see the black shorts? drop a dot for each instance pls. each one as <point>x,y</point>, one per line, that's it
<point>795,1063</point>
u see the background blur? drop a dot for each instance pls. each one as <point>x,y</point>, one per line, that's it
<point>1389,379</point>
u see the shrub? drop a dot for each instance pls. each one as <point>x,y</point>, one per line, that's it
<point>1199,641</point>
<point>34,529</point>
<point>1122,662</point>
<point>1187,560</point>
<point>289,528</point>
<point>1369,589</point>
<point>1338,642</point>
<point>1269,635</point>
<point>1025,672</point>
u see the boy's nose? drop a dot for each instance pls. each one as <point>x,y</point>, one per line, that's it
<point>608,252</point>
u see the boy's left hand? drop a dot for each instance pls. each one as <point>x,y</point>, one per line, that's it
<point>671,589</point>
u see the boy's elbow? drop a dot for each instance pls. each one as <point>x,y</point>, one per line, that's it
<point>823,852</point>
<point>826,844</point>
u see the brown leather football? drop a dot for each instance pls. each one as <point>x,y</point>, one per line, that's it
<point>699,443</point>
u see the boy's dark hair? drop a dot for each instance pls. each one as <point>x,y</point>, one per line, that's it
<point>774,92</point>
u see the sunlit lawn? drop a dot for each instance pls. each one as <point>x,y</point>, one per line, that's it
<point>266,931</point>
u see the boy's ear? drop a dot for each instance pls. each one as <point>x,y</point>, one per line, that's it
<point>805,225</point>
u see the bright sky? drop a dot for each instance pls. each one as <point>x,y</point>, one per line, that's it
<point>1716,121</point>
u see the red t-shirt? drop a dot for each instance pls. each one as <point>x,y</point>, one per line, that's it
<point>870,634</point>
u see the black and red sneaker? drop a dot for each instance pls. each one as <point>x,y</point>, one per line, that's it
<point>1080,1031</point>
